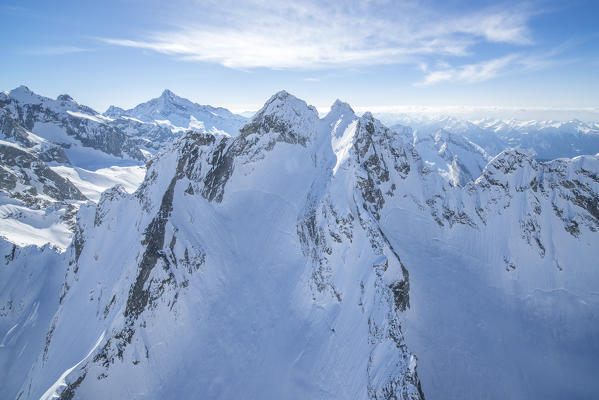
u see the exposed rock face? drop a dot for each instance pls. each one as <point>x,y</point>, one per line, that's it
<point>64,117</point>
<point>12,131</point>
<point>38,184</point>
<point>548,187</point>
<point>147,136</point>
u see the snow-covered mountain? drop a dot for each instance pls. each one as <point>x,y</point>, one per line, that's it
<point>85,149</point>
<point>180,115</point>
<point>54,156</point>
<point>456,158</point>
<point>85,135</point>
<point>316,258</point>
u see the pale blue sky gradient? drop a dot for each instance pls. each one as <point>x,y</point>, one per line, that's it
<point>373,54</point>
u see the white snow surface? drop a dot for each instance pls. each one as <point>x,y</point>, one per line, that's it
<point>277,263</point>
<point>93,183</point>
<point>23,226</point>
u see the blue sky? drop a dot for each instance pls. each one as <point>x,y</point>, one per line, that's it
<point>374,54</point>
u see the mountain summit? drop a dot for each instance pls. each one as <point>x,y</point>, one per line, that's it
<point>180,114</point>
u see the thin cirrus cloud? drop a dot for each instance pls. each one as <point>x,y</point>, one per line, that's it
<point>315,34</point>
<point>470,73</point>
<point>53,50</point>
<point>489,69</point>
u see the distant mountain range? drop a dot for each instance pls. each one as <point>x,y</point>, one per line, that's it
<point>545,140</point>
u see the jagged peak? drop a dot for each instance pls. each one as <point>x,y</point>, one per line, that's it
<point>64,97</point>
<point>168,98</point>
<point>159,106</point>
<point>282,103</point>
<point>114,192</point>
<point>24,94</point>
<point>368,115</point>
<point>376,125</point>
<point>22,89</point>
<point>114,111</point>
<point>509,161</point>
<point>284,112</point>
<point>281,94</point>
<point>168,94</point>
<point>341,107</point>
<point>515,152</point>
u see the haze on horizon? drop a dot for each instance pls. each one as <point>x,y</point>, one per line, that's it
<point>533,59</point>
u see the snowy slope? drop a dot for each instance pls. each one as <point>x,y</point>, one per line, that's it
<point>317,258</point>
<point>30,277</point>
<point>492,300</point>
<point>179,114</point>
<point>93,183</point>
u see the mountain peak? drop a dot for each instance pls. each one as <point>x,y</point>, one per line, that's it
<point>339,105</point>
<point>169,99</point>
<point>169,96</point>
<point>114,112</point>
<point>368,116</point>
<point>168,93</point>
<point>180,114</point>
<point>341,108</point>
<point>64,97</point>
<point>281,94</point>
<point>23,94</point>
<point>22,89</point>
<point>508,161</point>
<point>283,113</point>
<point>282,102</point>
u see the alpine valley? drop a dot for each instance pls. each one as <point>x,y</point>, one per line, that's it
<point>178,250</point>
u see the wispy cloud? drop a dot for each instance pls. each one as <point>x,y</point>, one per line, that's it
<point>489,69</point>
<point>470,73</point>
<point>318,34</point>
<point>53,50</point>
